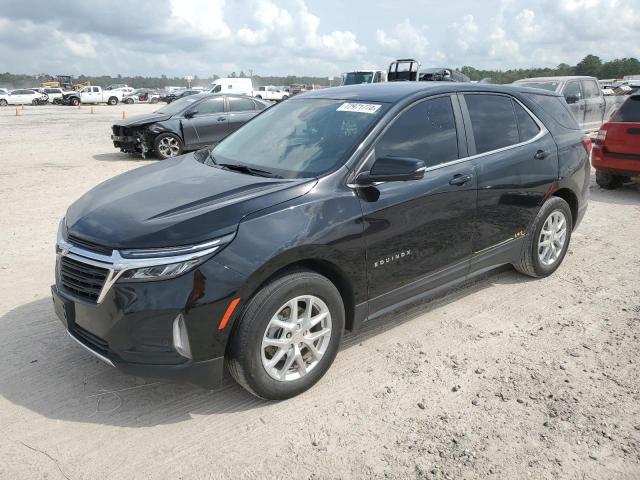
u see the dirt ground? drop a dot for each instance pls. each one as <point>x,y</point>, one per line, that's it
<point>506,377</point>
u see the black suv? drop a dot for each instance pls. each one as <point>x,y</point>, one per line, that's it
<point>319,214</point>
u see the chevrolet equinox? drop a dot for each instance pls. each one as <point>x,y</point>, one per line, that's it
<point>321,213</point>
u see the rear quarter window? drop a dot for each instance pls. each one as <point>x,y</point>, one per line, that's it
<point>629,111</point>
<point>556,108</point>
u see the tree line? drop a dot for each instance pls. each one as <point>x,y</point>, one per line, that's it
<point>590,65</point>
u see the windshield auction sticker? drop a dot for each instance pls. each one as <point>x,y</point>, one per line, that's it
<point>359,107</point>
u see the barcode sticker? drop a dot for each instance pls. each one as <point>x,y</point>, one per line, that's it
<point>359,107</point>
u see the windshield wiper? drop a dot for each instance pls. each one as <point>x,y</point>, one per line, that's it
<point>248,170</point>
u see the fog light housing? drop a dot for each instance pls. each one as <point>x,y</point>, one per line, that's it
<point>180,337</point>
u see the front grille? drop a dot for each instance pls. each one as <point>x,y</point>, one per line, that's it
<point>90,340</point>
<point>82,280</point>
<point>86,244</point>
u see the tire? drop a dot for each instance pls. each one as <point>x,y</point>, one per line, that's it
<point>259,96</point>
<point>247,355</point>
<point>112,101</point>
<point>608,181</point>
<point>284,97</point>
<point>75,101</point>
<point>167,145</point>
<point>3,103</point>
<point>532,261</point>
<point>129,101</point>
<point>34,102</point>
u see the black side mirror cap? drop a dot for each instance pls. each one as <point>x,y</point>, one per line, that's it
<point>190,113</point>
<point>393,169</point>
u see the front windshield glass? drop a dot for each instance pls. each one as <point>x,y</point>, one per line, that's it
<point>356,78</point>
<point>177,105</point>
<point>300,138</point>
<point>550,86</point>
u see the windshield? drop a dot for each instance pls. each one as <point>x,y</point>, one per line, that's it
<point>550,86</point>
<point>177,105</point>
<point>356,78</point>
<point>300,138</point>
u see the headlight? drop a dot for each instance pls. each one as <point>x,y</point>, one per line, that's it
<point>164,263</point>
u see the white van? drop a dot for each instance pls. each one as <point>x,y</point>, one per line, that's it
<point>240,86</point>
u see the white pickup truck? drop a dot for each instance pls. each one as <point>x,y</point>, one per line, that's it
<point>271,93</point>
<point>98,95</point>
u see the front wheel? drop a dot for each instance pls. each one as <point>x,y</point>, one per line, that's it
<point>167,145</point>
<point>75,102</point>
<point>546,243</point>
<point>608,181</point>
<point>287,336</point>
<point>3,102</point>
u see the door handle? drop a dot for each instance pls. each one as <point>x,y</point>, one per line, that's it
<point>541,155</point>
<point>459,179</point>
<point>222,119</point>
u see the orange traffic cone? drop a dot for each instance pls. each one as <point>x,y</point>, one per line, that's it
<point>124,115</point>
<point>18,112</point>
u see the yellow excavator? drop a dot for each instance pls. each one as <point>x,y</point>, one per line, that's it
<point>65,82</point>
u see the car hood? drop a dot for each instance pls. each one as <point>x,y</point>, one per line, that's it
<point>174,202</point>
<point>143,119</point>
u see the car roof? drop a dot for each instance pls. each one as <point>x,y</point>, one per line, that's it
<point>555,79</point>
<point>392,92</point>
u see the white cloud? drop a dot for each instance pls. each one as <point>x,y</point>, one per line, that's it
<point>404,40</point>
<point>199,17</point>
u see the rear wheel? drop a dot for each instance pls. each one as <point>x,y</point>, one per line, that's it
<point>167,145</point>
<point>259,96</point>
<point>3,102</point>
<point>547,241</point>
<point>129,101</point>
<point>288,336</point>
<point>112,101</point>
<point>608,181</point>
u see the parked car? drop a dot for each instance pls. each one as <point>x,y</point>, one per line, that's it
<point>26,97</point>
<point>142,95</point>
<point>4,97</point>
<point>364,76</point>
<point>238,86</point>
<point>588,104</point>
<point>616,150</point>
<point>98,95</point>
<point>189,123</point>
<point>271,93</point>
<point>322,212</point>
<point>442,75</point>
<point>176,94</point>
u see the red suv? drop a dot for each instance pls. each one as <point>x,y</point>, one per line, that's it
<point>616,151</point>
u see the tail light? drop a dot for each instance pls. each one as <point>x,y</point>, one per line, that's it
<point>601,137</point>
<point>586,143</point>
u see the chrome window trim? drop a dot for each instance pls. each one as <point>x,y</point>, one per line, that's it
<point>543,131</point>
<point>116,264</point>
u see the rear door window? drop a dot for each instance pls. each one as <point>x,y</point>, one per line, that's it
<point>427,131</point>
<point>629,111</point>
<point>493,121</point>
<point>238,104</point>
<point>527,126</point>
<point>590,89</point>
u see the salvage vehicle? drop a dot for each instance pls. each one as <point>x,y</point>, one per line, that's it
<point>323,212</point>
<point>4,97</point>
<point>26,97</point>
<point>70,98</point>
<point>442,75</point>
<point>616,149</point>
<point>588,104</point>
<point>403,70</point>
<point>55,94</point>
<point>271,93</point>
<point>176,94</point>
<point>364,76</point>
<point>189,123</point>
<point>141,95</point>
<point>98,95</point>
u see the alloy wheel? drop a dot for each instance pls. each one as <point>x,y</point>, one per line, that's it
<point>296,338</point>
<point>169,147</point>
<point>552,238</point>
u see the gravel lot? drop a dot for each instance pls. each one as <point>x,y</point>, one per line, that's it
<point>506,377</point>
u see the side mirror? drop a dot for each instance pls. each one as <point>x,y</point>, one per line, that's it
<point>190,113</point>
<point>393,169</point>
<point>572,99</point>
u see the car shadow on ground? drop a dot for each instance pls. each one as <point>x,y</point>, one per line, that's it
<point>628,194</point>
<point>121,157</point>
<point>41,369</point>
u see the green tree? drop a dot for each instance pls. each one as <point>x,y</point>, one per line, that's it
<point>589,65</point>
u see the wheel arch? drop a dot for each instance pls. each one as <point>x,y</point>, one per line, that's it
<point>572,199</point>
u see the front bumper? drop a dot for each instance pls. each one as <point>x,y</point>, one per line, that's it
<point>132,330</point>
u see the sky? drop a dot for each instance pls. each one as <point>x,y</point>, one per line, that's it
<point>307,37</point>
